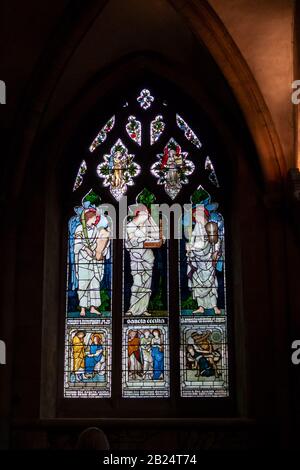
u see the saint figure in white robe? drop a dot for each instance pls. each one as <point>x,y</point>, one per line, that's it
<point>142,228</point>
<point>201,261</point>
<point>90,262</point>
<point>146,354</point>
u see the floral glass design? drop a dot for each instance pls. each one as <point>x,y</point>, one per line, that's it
<point>118,169</point>
<point>145,99</point>
<point>189,134</point>
<point>81,172</point>
<point>134,129</point>
<point>156,129</point>
<point>212,174</point>
<point>173,168</point>
<point>102,135</point>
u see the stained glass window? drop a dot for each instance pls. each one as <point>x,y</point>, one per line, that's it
<point>118,169</point>
<point>88,334</point>
<point>145,305</point>
<point>134,129</point>
<point>212,174</point>
<point>203,349</point>
<point>102,135</point>
<point>145,99</point>
<point>156,129</point>
<point>173,168</point>
<point>189,134</point>
<point>144,157</point>
<point>79,178</point>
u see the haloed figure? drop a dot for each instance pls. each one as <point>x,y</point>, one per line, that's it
<point>146,354</point>
<point>202,255</point>
<point>134,355</point>
<point>157,355</point>
<point>94,360</point>
<point>141,260</point>
<point>78,347</point>
<point>118,165</point>
<point>90,248</point>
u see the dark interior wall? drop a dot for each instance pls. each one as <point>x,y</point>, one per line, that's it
<point>40,285</point>
<point>32,261</point>
<point>292,211</point>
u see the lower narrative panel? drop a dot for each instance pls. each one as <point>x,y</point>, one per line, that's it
<point>88,361</point>
<point>145,361</point>
<point>204,358</point>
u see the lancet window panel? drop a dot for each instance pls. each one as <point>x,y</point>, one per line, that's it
<point>88,325</point>
<point>151,153</point>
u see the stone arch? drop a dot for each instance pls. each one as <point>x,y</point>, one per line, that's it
<point>210,30</point>
<point>47,78</point>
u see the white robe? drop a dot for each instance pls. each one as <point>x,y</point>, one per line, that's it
<point>200,269</point>
<point>141,263</point>
<point>89,271</point>
<point>146,354</point>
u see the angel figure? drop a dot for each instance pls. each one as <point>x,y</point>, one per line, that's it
<point>89,247</point>
<point>203,252</point>
<point>118,165</point>
<point>142,229</point>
